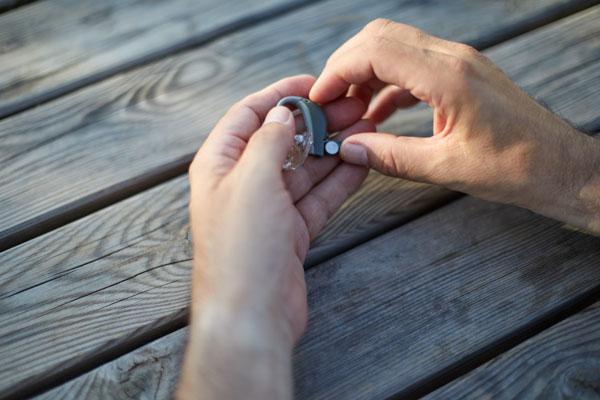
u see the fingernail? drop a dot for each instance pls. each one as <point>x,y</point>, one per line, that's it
<point>354,154</point>
<point>281,115</point>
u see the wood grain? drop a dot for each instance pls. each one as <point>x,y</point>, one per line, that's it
<point>51,48</point>
<point>418,300</point>
<point>97,285</point>
<point>79,147</point>
<point>150,372</point>
<point>404,306</point>
<point>137,253</point>
<point>561,362</point>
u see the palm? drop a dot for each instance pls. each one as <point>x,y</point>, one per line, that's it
<point>316,189</point>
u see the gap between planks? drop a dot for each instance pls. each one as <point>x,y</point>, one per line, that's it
<point>502,345</point>
<point>8,5</point>
<point>190,43</point>
<point>464,365</point>
<point>464,292</point>
<point>559,362</point>
<point>62,215</point>
<point>499,346</point>
<point>180,319</point>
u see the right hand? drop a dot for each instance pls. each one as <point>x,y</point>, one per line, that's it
<point>490,139</point>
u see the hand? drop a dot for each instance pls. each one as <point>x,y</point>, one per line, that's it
<point>251,225</point>
<point>490,139</point>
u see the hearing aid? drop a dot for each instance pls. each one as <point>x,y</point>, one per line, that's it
<point>315,140</point>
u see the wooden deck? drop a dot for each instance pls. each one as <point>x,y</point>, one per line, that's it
<point>413,290</point>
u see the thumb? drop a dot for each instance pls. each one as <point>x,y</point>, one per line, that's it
<point>399,156</point>
<point>270,145</point>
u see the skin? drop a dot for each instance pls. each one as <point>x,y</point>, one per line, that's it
<point>252,223</point>
<point>248,291</point>
<point>491,140</point>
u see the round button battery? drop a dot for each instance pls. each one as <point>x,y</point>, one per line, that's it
<point>332,148</point>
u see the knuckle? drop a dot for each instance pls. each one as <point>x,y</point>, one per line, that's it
<point>402,167</point>
<point>471,54</point>
<point>390,164</point>
<point>468,51</point>
<point>248,99</point>
<point>462,71</point>
<point>378,28</point>
<point>420,36</point>
<point>377,25</point>
<point>460,66</point>
<point>240,105</point>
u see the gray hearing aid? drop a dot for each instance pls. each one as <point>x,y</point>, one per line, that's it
<point>315,139</point>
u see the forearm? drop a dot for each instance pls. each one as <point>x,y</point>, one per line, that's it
<point>570,182</point>
<point>233,355</point>
<point>586,194</point>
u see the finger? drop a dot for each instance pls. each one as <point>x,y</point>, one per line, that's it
<point>362,92</point>
<point>315,169</point>
<point>340,114</point>
<point>226,143</point>
<point>229,137</point>
<point>383,52</point>
<point>233,131</point>
<point>269,146</point>
<point>343,112</point>
<point>323,200</point>
<point>404,157</point>
<point>388,101</point>
<point>246,116</point>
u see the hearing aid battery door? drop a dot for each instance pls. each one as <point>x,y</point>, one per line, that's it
<point>299,150</point>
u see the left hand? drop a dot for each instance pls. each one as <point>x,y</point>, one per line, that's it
<point>490,138</point>
<point>252,222</point>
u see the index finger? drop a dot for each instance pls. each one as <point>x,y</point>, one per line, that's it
<point>385,52</point>
<point>247,115</point>
<point>226,143</point>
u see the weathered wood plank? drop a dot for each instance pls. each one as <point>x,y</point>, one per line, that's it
<point>50,48</point>
<point>404,306</point>
<point>6,5</point>
<point>76,154</point>
<point>418,300</point>
<point>561,362</point>
<point>136,251</point>
<point>150,372</point>
<point>103,281</point>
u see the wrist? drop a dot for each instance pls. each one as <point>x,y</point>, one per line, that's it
<point>239,306</point>
<point>247,325</point>
<point>586,193</point>
<point>233,354</point>
<point>568,186</point>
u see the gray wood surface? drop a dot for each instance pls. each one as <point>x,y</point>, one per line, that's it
<point>52,47</point>
<point>82,149</point>
<point>106,281</point>
<point>418,300</point>
<point>402,307</point>
<point>562,362</point>
<point>6,5</point>
<point>118,274</point>
<point>150,372</point>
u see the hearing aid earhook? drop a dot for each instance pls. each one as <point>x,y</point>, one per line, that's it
<point>316,125</point>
